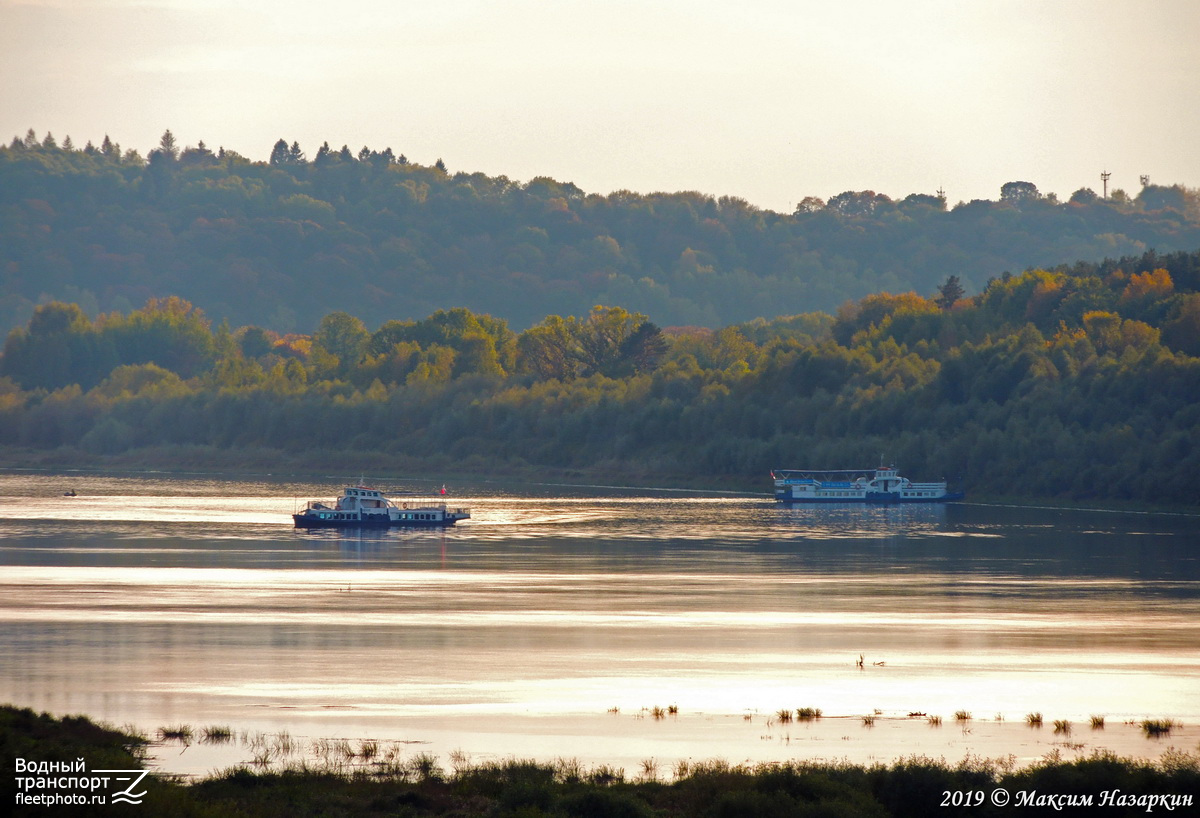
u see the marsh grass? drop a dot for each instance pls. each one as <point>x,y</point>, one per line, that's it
<point>216,734</point>
<point>528,788</point>
<point>178,732</point>
<point>1097,722</point>
<point>460,763</point>
<point>649,769</point>
<point>568,770</point>
<point>605,775</point>
<point>1155,728</point>
<point>368,749</point>
<point>426,768</point>
<point>808,713</point>
<point>935,721</point>
<point>1033,719</point>
<point>962,715</point>
<point>1062,726</point>
<point>283,745</point>
<point>869,721</point>
<point>135,732</point>
<point>784,716</point>
<point>658,713</point>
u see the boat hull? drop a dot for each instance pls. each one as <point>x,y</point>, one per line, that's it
<point>372,521</point>
<point>879,498</point>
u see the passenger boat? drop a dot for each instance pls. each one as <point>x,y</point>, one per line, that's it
<point>361,507</point>
<point>881,485</point>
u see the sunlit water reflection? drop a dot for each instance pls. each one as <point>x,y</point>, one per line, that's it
<point>157,600</point>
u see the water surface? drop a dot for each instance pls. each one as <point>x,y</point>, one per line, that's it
<point>157,600</point>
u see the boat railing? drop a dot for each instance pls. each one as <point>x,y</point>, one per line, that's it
<point>411,503</point>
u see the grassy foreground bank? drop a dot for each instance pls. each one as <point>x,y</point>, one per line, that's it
<point>421,786</point>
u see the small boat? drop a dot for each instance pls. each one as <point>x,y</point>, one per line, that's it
<point>881,485</point>
<point>364,507</point>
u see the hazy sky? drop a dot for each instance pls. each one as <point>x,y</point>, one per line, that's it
<point>770,100</point>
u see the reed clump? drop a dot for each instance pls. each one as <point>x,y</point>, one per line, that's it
<point>1033,719</point>
<point>177,732</point>
<point>649,769</point>
<point>808,713</point>
<point>935,721</point>
<point>784,716</point>
<point>368,749</point>
<point>216,734</point>
<point>1062,726</point>
<point>1097,722</point>
<point>1154,728</point>
<point>962,715</point>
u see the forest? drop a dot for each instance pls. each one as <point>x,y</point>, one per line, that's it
<point>1078,382</point>
<point>281,243</point>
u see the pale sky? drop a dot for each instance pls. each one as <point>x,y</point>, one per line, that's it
<point>769,100</point>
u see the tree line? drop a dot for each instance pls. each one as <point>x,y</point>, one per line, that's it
<point>368,232</point>
<point>1074,382</point>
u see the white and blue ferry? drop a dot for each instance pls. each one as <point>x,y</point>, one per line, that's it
<point>881,485</point>
<point>363,507</point>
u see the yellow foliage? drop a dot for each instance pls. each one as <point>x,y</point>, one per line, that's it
<point>1154,284</point>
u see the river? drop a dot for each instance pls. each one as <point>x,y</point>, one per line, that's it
<point>555,620</point>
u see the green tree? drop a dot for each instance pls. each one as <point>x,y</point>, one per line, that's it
<point>280,155</point>
<point>546,350</point>
<point>949,292</point>
<point>1019,193</point>
<point>167,146</point>
<point>344,337</point>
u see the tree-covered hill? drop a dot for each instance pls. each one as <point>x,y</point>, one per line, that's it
<point>1078,382</point>
<point>281,243</point>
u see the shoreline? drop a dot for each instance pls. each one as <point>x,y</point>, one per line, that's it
<point>369,778</point>
<point>629,741</point>
<point>329,465</point>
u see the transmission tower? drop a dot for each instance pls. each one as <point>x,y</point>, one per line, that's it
<point>1145,177</point>
<point>1104,178</point>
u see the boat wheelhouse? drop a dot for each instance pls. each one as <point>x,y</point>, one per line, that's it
<point>364,507</point>
<point>881,485</point>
